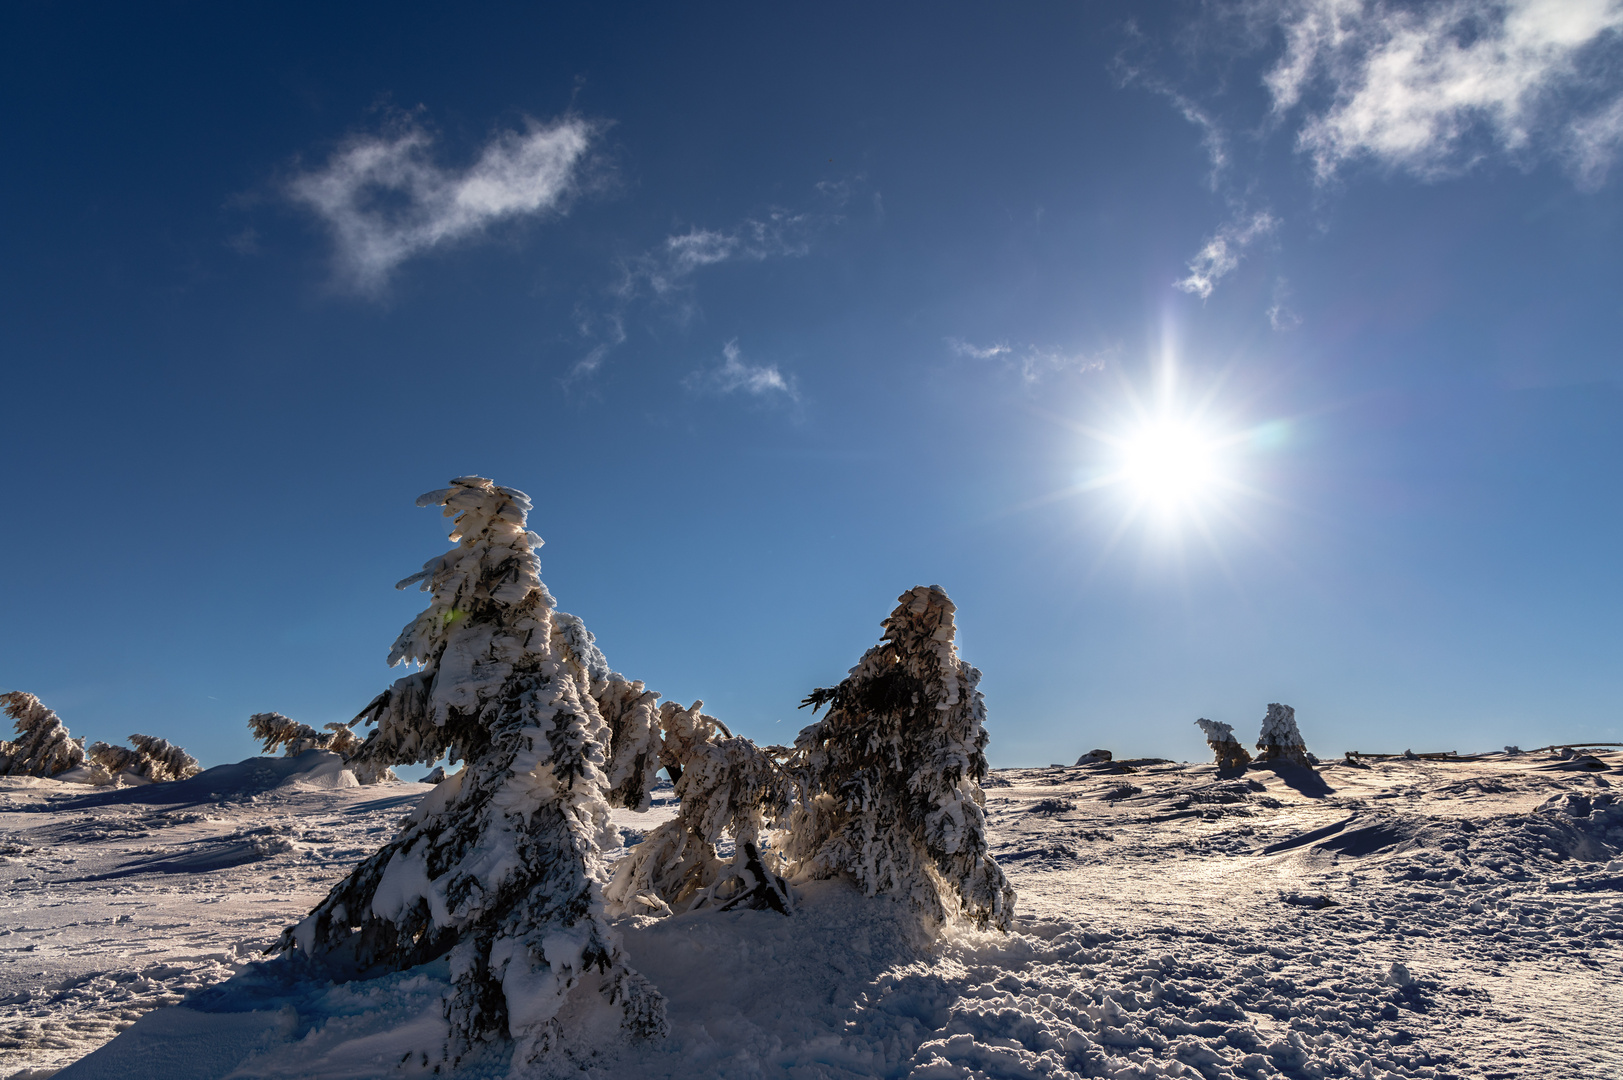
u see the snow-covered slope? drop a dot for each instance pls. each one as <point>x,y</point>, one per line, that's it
<point>1411,918</point>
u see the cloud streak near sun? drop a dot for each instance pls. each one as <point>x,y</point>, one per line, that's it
<point>384,199</point>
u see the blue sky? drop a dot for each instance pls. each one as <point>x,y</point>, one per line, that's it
<point>779,312</point>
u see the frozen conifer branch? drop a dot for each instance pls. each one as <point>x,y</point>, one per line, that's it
<point>42,746</point>
<point>1280,740</point>
<point>892,774</point>
<point>726,784</point>
<point>500,866</point>
<point>1220,737</point>
<point>632,713</point>
<point>153,759</point>
<point>275,730</point>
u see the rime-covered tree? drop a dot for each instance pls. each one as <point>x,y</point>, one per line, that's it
<point>1280,740</point>
<point>151,758</point>
<point>1220,737</point>
<point>725,784</point>
<point>275,730</point>
<point>42,746</point>
<point>500,866</point>
<point>892,773</point>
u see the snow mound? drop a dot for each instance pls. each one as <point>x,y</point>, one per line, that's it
<point>229,783</point>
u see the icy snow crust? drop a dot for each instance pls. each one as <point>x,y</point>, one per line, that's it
<point>1409,918</point>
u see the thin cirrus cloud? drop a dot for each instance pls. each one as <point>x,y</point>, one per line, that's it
<point>1223,250</point>
<point>666,273</point>
<point>670,268</point>
<point>1415,88</point>
<point>735,375</point>
<point>1033,363</point>
<point>385,200</point>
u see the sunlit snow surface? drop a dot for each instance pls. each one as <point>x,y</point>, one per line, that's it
<point>1173,923</point>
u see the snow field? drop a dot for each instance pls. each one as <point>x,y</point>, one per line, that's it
<point>1411,918</point>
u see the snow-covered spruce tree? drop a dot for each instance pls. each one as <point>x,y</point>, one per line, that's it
<point>43,746</point>
<point>724,784</point>
<point>152,758</point>
<point>500,865</point>
<point>275,730</point>
<point>892,774</point>
<point>1280,740</point>
<point>1220,737</point>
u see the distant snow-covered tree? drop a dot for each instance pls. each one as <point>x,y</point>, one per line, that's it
<point>1280,740</point>
<point>152,758</point>
<point>42,746</point>
<point>500,866</point>
<point>1220,737</point>
<point>725,784</point>
<point>892,773</point>
<point>275,730</point>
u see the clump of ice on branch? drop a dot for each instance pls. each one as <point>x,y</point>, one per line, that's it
<point>1220,737</point>
<point>42,746</point>
<point>500,865</point>
<point>1280,740</point>
<point>892,774</point>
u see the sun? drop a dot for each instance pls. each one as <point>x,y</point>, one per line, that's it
<point>1169,463</point>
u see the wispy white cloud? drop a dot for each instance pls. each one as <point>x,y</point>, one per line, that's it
<point>978,352</point>
<point>384,199</point>
<point>1280,316</point>
<point>1593,143</point>
<point>670,267</point>
<point>1223,251</point>
<point>1418,88</point>
<point>666,273</point>
<point>1033,362</point>
<point>735,375</point>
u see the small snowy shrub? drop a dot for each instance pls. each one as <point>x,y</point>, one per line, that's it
<point>892,774</point>
<point>500,866</point>
<point>42,746</point>
<point>725,783</point>
<point>1280,740</point>
<point>1220,737</point>
<point>152,758</point>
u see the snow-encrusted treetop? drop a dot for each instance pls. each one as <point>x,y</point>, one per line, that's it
<point>1280,740</point>
<point>492,575</point>
<point>893,773</point>
<point>43,746</point>
<point>1220,737</point>
<point>488,610</point>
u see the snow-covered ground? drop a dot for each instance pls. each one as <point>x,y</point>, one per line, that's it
<point>1414,918</point>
